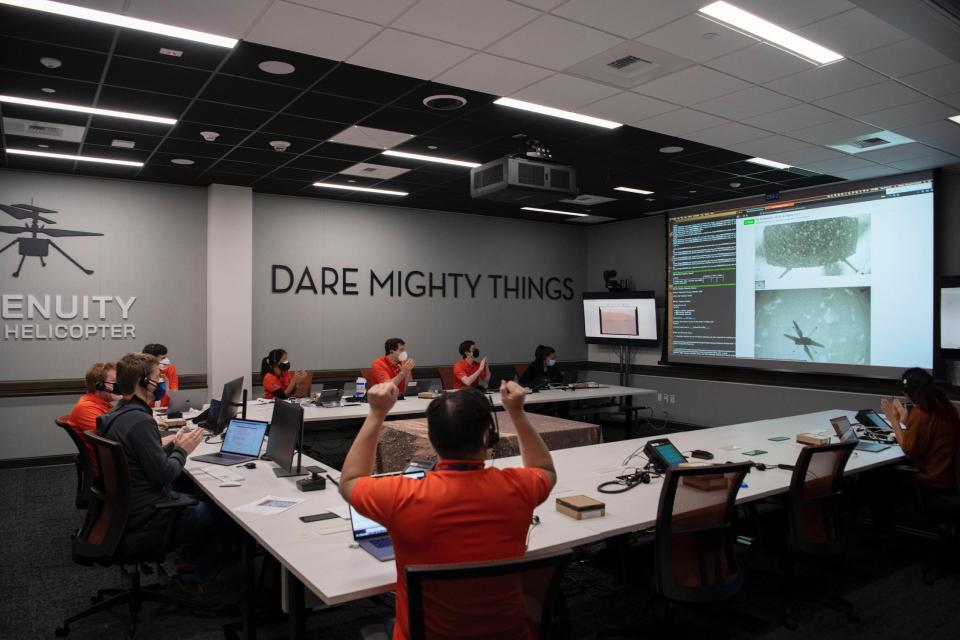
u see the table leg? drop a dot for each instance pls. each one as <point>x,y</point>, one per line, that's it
<point>248,550</point>
<point>629,418</point>
<point>297,615</point>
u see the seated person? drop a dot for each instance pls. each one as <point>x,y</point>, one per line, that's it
<point>278,380</point>
<point>101,381</point>
<point>155,466</point>
<point>395,366</point>
<point>930,434</point>
<point>167,369</point>
<point>468,372</point>
<point>463,511</point>
<point>543,370</point>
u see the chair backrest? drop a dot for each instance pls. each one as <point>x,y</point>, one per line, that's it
<point>109,503</point>
<point>82,462</point>
<point>367,374</point>
<point>814,509</point>
<point>446,376</point>
<point>499,599</point>
<point>694,555</point>
<point>521,368</point>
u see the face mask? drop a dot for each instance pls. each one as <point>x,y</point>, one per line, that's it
<point>402,356</point>
<point>284,366</point>
<point>476,353</point>
<point>551,362</point>
<point>160,391</point>
<point>165,363</point>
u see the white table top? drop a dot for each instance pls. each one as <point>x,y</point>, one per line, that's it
<point>320,553</point>
<point>263,409</point>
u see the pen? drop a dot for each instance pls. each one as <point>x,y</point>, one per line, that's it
<point>330,478</point>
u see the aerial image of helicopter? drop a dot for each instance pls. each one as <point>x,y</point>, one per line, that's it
<point>35,247</point>
<point>806,342</point>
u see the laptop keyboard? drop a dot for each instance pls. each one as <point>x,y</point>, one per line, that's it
<point>381,543</point>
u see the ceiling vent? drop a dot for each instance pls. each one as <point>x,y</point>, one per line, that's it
<point>44,130</point>
<point>631,66</point>
<point>628,65</point>
<point>870,142</point>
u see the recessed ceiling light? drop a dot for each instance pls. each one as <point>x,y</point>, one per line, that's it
<point>649,199</point>
<point>557,113</point>
<point>116,20</point>
<point>352,181</point>
<point>444,102</point>
<point>769,163</point>
<point>48,90</point>
<point>209,136</point>
<point>632,190</point>
<point>123,144</point>
<point>954,119</point>
<point>418,156</point>
<point>692,191</point>
<point>44,146</point>
<point>50,63</point>
<point>734,184</point>
<point>64,156</point>
<point>673,149</point>
<point>432,147</point>
<point>563,213</point>
<point>743,21</point>
<point>276,67</point>
<point>182,161</point>
<point>46,104</point>
<point>327,185</point>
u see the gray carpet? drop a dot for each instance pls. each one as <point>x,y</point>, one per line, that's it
<point>40,585</point>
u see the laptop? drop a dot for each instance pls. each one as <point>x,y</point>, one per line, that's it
<point>372,536</point>
<point>329,398</point>
<point>180,401</point>
<point>846,433</point>
<point>241,443</point>
<point>412,388</point>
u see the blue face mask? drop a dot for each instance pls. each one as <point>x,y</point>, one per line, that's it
<point>160,391</point>
<point>551,362</point>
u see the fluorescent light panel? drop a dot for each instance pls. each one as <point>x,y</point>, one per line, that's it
<point>46,104</point>
<point>769,163</point>
<point>557,113</point>
<point>632,190</point>
<point>746,22</point>
<point>418,156</point>
<point>954,119</point>
<point>66,156</point>
<point>126,22</point>
<point>350,187</point>
<point>563,213</point>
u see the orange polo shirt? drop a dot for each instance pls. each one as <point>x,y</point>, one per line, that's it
<point>272,384</point>
<point>83,417</point>
<point>464,368</point>
<point>932,442</point>
<point>448,517</point>
<point>382,370</point>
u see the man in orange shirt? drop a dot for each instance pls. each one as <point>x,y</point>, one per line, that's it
<point>463,511</point>
<point>395,366</point>
<point>167,369</point>
<point>468,372</point>
<point>101,380</point>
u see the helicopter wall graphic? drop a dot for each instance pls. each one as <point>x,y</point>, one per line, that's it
<point>34,247</point>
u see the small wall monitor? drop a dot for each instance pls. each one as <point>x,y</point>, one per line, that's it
<point>620,317</point>
<point>950,317</point>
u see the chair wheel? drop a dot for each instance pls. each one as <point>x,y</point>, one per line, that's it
<point>61,632</point>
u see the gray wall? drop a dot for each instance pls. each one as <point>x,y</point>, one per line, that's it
<point>337,331</point>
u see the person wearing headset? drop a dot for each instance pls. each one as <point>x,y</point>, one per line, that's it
<point>468,372</point>
<point>462,511</point>
<point>167,369</point>
<point>543,369</point>
<point>395,365</point>
<point>929,434</point>
<point>101,382</point>
<point>278,380</point>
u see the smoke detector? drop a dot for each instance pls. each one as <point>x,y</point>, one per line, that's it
<point>209,136</point>
<point>279,145</point>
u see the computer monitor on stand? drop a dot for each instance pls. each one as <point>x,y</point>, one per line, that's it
<point>286,435</point>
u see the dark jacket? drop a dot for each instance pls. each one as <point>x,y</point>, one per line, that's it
<point>152,467</point>
<point>535,376</point>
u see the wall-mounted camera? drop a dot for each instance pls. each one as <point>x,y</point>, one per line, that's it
<point>612,284</point>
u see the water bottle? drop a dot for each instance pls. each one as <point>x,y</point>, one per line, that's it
<point>361,387</point>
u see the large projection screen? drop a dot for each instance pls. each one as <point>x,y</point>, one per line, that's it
<point>839,282</point>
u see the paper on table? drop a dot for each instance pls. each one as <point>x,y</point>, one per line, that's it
<point>269,505</point>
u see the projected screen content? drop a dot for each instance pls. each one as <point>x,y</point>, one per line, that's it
<point>835,283</point>
<point>628,317</point>
<point>950,317</point>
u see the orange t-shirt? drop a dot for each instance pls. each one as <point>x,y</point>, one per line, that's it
<point>83,417</point>
<point>464,368</point>
<point>448,517</point>
<point>173,384</point>
<point>382,370</point>
<point>272,384</point>
<point>932,443</point>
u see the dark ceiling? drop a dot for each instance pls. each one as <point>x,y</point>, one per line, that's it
<point>210,88</point>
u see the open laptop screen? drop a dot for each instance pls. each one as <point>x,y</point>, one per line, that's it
<point>844,429</point>
<point>244,437</point>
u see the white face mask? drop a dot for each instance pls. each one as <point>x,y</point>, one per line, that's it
<point>402,356</point>
<point>165,363</point>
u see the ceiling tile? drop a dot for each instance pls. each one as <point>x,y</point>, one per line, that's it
<point>933,161</point>
<point>369,137</point>
<point>744,104</point>
<point>679,122</point>
<point>296,126</point>
<point>627,18</point>
<point>465,22</point>
<point>832,132</point>
<point>792,118</point>
<point>803,157</point>
<point>28,85</point>
<point>876,171</point>
<point>248,93</point>
<point>950,144</point>
<point>368,170</point>
<point>821,82</point>
<point>759,63</point>
<point>902,58</point>
<point>360,83</point>
<point>376,11</point>
<point>38,25</point>
<point>852,32</point>
<point>155,76</point>
<point>186,130</point>
<point>846,163</point>
<point>246,57</point>
<point>952,99</point>
<point>333,108</point>
<point>930,130</point>
<point>146,46</point>
<point>493,74</point>
<point>627,107</point>
<point>565,92</point>
<point>24,55</point>
<point>215,113</point>
<point>873,98</point>
<point>409,55</point>
<point>897,153</point>
<point>317,33</point>
<point>791,14</point>
<point>726,134</point>
<point>936,82</point>
<point>692,85</point>
<point>541,5</point>
<point>685,37</point>
<point>766,147</point>
<point>231,18</point>
<point>909,114</point>
<point>554,43</point>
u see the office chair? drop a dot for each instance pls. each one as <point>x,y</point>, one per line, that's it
<point>814,513</point>
<point>446,376</point>
<point>82,463</point>
<point>942,509</point>
<point>102,539</point>
<point>470,593</point>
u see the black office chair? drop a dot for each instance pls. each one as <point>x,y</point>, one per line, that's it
<point>814,523</point>
<point>942,509</point>
<point>473,594</point>
<point>102,539</point>
<point>82,463</point>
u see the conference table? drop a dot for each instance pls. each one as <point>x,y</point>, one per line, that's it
<point>320,557</point>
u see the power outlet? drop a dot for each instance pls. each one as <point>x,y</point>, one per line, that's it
<point>673,398</point>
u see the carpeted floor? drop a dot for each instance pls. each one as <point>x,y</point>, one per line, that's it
<point>39,585</point>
